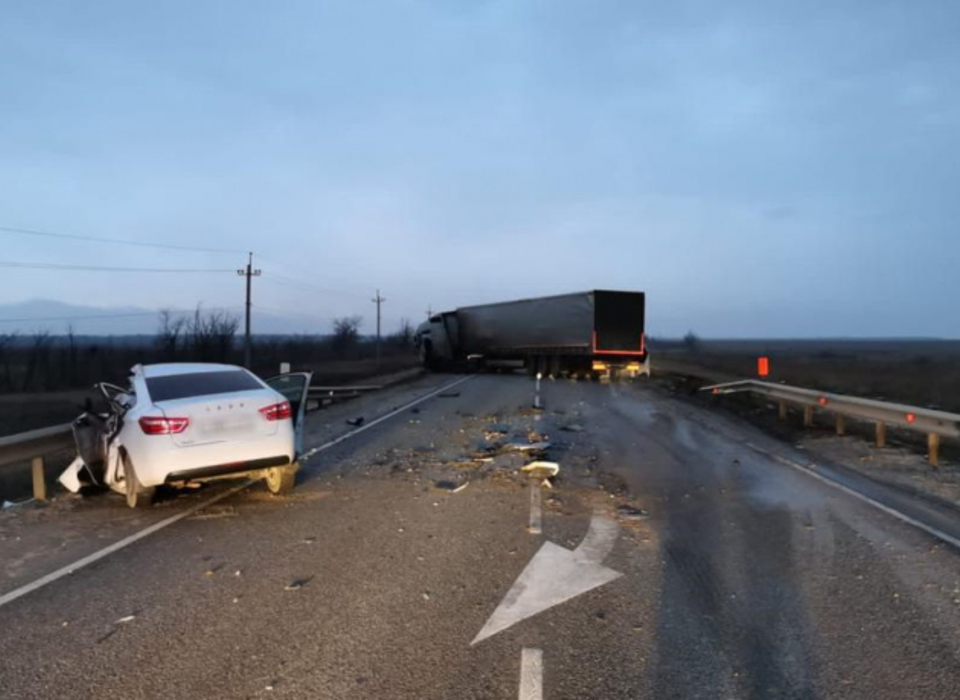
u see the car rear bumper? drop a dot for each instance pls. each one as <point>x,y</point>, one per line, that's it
<point>221,470</point>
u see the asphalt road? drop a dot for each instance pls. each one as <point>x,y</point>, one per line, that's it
<point>745,578</point>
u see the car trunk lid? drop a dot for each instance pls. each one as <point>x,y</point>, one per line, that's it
<point>223,417</point>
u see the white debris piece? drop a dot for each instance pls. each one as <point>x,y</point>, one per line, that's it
<point>541,470</point>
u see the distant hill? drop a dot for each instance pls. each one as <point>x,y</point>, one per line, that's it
<point>56,317</point>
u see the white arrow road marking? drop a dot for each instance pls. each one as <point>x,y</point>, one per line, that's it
<point>531,674</point>
<point>554,576</point>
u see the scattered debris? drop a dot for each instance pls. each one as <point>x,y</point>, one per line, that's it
<point>310,539</point>
<point>541,470</point>
<point>629,512</point>
<point>451,486</point>
<point>449,394</point>
<point>297,584</point>
<point>572,428</point>
<point>414,410</point>
<point>356,422</point>
<point>128,618</point>
<point>527,447</point>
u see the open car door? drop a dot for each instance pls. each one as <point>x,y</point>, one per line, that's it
<point>294,386</point>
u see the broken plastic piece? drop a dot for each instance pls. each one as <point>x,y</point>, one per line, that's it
<point>541,470</point>
<point>527,446</point>
<point>70,478</point>
<point>629,512</point>
<point>355,421</point>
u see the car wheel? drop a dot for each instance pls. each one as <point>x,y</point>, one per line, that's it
<point>137,496</point>
<point>281,480</point>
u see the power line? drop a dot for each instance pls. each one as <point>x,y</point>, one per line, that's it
<point>115,241</point>
<point>289,280</point>
<point>102,316</point>
<point>95,268</point>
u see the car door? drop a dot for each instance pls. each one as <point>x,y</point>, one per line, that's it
<point>294,386</point>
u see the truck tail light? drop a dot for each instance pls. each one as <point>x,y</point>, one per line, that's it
<point>277,411</point>
<point>159,425</point>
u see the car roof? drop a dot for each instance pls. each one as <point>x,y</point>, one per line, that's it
<point>173,368</point>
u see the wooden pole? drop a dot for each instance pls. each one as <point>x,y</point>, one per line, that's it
<point>933,450</point>
<point>39,482</point>
<point>881,434</point>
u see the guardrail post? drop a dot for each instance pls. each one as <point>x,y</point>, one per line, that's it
<point>841,427</point>
<point>933,449</point>
<point>808,416</point>
<point>39,482</point>
<point>881,434</point>
<point>783,410</point>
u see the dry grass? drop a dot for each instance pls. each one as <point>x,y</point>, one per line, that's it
<point>922,372</point>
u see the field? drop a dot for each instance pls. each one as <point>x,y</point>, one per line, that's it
<point>918,372</point>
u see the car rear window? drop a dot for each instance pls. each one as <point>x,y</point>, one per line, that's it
<point>184,386</point>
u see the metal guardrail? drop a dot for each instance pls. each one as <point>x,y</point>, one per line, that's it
<point>34,446</point>
<point>934,423</point>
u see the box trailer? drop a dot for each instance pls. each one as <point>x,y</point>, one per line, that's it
<point>599,332</point>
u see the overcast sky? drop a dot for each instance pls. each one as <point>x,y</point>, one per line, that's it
<point>760,168</point>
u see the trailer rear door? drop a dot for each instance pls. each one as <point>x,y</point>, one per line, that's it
<point>618,322</point>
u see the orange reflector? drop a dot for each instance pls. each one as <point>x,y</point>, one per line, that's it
<point>911,417</point>
<point>763,366</point>
<point>822,401</point>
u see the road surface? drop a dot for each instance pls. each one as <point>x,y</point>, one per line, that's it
<point>737,576</point>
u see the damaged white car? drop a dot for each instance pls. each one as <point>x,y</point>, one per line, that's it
<point>182,423</point>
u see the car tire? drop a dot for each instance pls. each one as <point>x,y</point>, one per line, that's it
<point>137,496</point>
<point>281,480</point>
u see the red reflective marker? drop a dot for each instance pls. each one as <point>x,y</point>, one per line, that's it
<point>911,417</point>
<point>822,401</point>
<point>763,366</point>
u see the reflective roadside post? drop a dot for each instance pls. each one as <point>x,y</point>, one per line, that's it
<point>536,395</point>
<point>763,367</point>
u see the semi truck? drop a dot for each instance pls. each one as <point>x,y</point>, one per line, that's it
<point>598,333</point>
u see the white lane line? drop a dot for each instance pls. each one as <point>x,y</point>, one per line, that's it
<point>535,527</point>
<point>531,674</point>
<point>127,541</point>
<point>336,441</point>
<point>116,546</point>
<point>903,517</point>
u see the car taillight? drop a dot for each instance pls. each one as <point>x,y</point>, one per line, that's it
<point>158,425</point>
<point>277,411</point>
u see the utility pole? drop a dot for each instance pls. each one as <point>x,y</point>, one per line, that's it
<point>248,273</point>
<point>378,300</point>
<point>429,312</point>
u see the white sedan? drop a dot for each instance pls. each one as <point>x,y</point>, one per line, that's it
<point>181,423</point>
